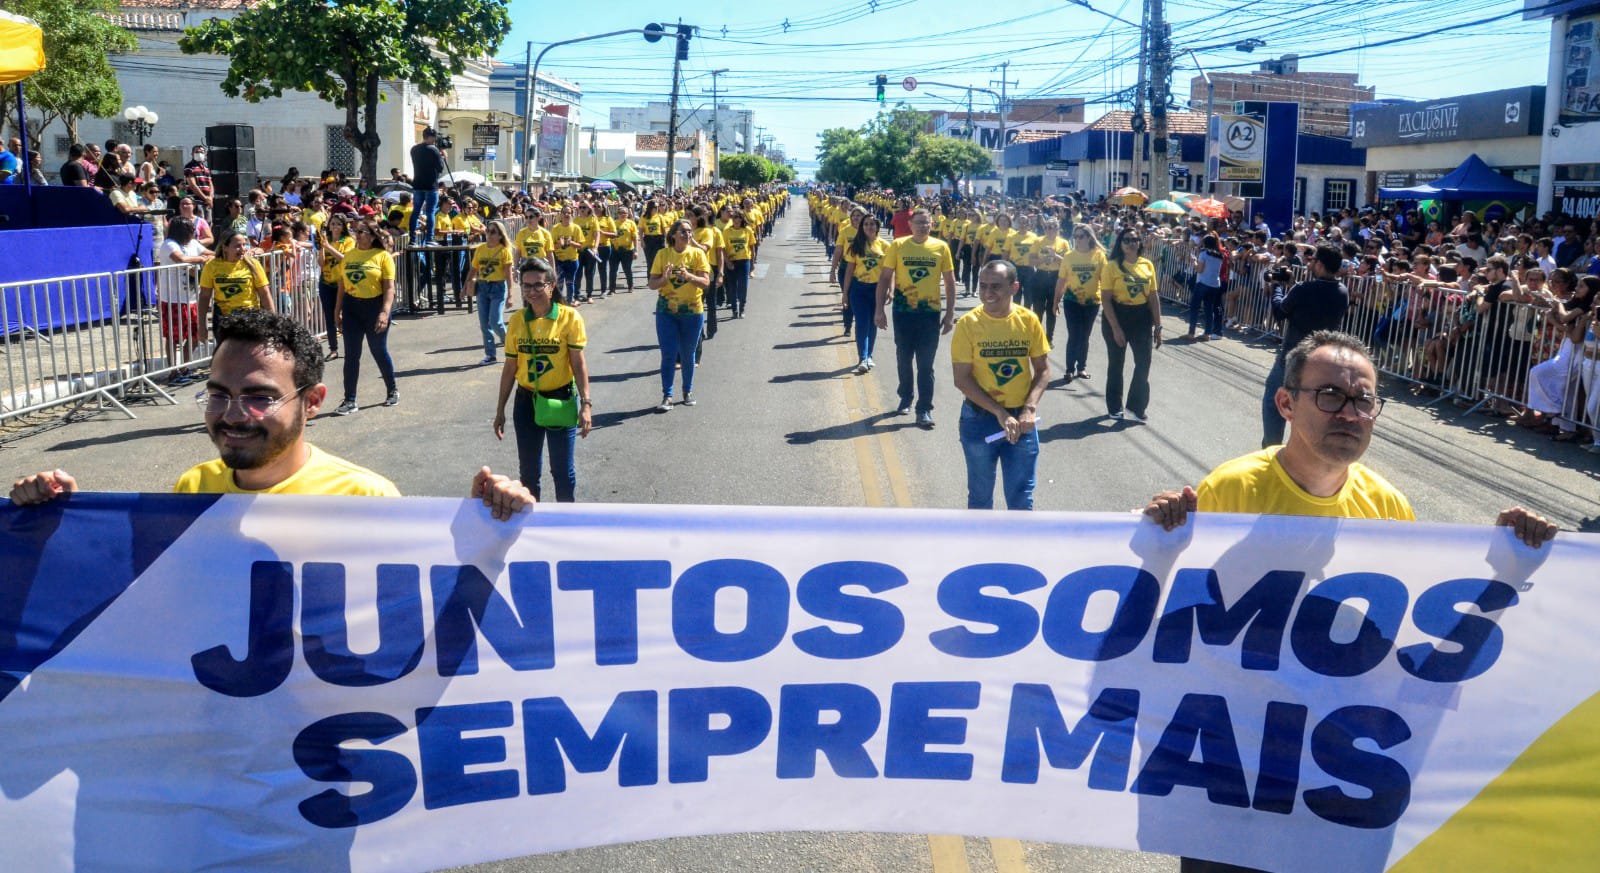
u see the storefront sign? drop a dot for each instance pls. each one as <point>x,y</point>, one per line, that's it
<point>1492,115</point>
<point>1578,201</point>
<point>1407,178</point>
<point>1580,81</point>
<point>1241,148</point>
<point>485,134</point>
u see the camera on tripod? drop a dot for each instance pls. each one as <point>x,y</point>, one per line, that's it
<point>446,142</point>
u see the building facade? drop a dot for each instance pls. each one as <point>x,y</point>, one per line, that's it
<point>1325,98</point>
<point>1412,143</point>
<point>733,129</point>
<point>1569,159</point>
<point>555,97</point>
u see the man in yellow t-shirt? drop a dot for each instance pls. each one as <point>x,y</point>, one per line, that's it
<point>1002,366</point>
<point>914,269</point>
<point>1329,397</point>
<point>265,384</point>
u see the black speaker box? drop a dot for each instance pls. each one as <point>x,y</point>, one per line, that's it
<point>230,136</point>
<point>232,184</point>
<point>231,160</point>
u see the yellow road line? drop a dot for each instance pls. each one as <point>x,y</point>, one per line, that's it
<point>1008,856</point>
<point>948,853</point>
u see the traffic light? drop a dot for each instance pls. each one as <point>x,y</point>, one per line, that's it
<point>684,32</point>
<point>882,80</point>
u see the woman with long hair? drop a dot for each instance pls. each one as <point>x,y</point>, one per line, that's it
<point>1044,264</point>
<point>333,242</point>
<point>175,292</point>
<point>653,230</point>
<point>486,280</point>
<point>708,239</point>
<point>544,361</point>
<point>1205,299</point>
<point>366,295</point>
<point>1132,323</point>
<point>741,239</point>
<point>681,273</point>
<point>838,269</point>
<point>1078,296</point>
<point>865,259</point>
<point>231,281</point>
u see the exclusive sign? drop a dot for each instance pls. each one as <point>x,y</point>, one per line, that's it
<point>1492,115</point>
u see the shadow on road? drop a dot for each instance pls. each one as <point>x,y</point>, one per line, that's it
<point>811,344</point>
<point>1077,430</point>
<point>130,436</point>
<point>607,419</point>
<point>623,377</point>
<point>849,430</point>
<point>628,349</point>
<point>471,348</point>
<point>435,371</point>
<point>811,376</point>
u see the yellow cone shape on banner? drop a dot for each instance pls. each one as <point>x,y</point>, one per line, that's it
<point>1551,792</point>
<point>21,48</point>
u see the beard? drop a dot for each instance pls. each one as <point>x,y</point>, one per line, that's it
<point>1343,444</point>
<point>256,446</point>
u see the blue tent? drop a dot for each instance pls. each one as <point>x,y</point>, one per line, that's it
<point>1473,180</point>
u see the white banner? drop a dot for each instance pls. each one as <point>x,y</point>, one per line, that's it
<point>383,685</point>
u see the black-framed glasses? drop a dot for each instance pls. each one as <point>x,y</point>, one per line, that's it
<point>1333,401</point>
<point>252,405</point>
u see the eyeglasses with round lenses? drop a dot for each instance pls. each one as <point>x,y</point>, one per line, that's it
<point>218,403</point>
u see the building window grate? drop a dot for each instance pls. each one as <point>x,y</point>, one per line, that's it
<point>341,154</point>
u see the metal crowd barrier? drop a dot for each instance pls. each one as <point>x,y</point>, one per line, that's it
<point>1435,337</point>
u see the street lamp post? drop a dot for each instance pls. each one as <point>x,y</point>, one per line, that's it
<point>716,128</point>
<point>142,120</point>
<point>1247,46</point>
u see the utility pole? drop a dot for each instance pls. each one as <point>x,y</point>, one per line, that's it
<point>679,55</point>
<point>1138,123</point>
<point>716,127</point>
<point>1004,68</point>
<point>1161,73</point>
<point>529,109</point>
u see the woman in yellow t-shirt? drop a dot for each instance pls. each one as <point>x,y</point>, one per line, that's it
<point>605,231</point>
<point>681,273</point>
<point>333,242</point>
<point>232,280</point>
<point>622,250</point>
<point>1078,296</point>
<point>865,259</point>
<point>486,280</point>
<point>741,240</point>
<point>1046,251</point>
<point>1132,323</point>
<point>366,294</point>
<point>838,269</point>
<point>652,231</point>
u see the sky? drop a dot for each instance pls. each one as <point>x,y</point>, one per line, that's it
<point>802,67</point>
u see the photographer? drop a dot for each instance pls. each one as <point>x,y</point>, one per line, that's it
<point>427,165</point>
<point>1319,303</point>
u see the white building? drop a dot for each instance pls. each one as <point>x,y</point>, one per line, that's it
<point>602,150</point>
<point>733,128</point>
<point>297,130</point>
<point>556,98</point>
<point>1569,163</point>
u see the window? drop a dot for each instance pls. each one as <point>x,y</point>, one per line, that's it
<point>1299,195</point>
<point>1180,183</point>
<point>63,145</point>
<point>1337,194</point>
<point>341,154</point>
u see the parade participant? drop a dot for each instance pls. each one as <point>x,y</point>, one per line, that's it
<point>836,265</point>
<point>1319,303</point>
<point>546,366</point>
<point>605,230</point>
<point>913,270</point>
<point>1132,322</point>
<point>681,273</point>
<point>865,258</point>
<point>568,240</point>
<point>1078,296</point>
<point>1002,367</point>
<point>486,280</point>
<point>588,256</point>
<point>1047,254</point>
<point>265,385</point>
<point>741,242</point>
<point>653,230</point>
<point>534,240</point>
<point>366,296</point>
<point>333,242</point>
<point>231,281</point>
<point>622,247</point>
<point>710,240</point>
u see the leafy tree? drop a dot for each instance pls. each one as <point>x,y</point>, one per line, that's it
<point>782,173</point>
<point>878,153</point>
<point>78,79</point>
<point>946,158</point>
<point>341,51</point>
<point>747,170</point>
<point>842,157</point>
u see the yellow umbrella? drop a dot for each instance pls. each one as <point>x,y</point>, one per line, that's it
<point>21,48</point>
<point>1130,196</point>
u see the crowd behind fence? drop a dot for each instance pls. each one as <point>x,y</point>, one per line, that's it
<point>1438,338</point>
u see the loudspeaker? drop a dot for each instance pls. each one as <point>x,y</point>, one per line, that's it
<point>232,184</point>
<point>232,160</point>
<point>230,136</point>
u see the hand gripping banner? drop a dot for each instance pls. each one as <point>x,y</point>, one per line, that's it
<point>385,685</point>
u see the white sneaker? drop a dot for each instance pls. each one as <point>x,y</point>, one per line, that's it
<point>862,368</point>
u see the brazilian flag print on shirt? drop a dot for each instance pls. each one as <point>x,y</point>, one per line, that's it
<point>542,347</point>
<point>235,284</point>
<point>999,350</point>
<point>365,271</point>
<point>1082,272</point>
<point>680,297</point>
<point>919,270</point>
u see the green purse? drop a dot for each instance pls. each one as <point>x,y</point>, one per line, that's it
<point>550,411</point>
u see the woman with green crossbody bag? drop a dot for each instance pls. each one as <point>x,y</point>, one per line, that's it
<point>546,367</point>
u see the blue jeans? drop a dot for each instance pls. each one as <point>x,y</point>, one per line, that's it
<point>1205,305</point>
<point>1018,463</point>
<point>1080,327</point>
<point>492,315</point>
<point>567,278</point>
<point>679,336</point>
<point>1272,424</point>
<point>864,306</point>
<point>425,201</point>
<point>916,341</point>
<point>530,449</point>
<point>842,280</point>
<point>738,284</point>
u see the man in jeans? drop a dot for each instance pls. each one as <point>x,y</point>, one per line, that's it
<point>914,269</point>
<point>1318,303</point>
<point>1002,366</point>
<point>427,165</point>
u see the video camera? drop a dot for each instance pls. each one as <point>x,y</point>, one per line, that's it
<point>446,142</point>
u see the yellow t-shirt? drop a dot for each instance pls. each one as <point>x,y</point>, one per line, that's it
<point>315,219</point>
<point>712,239</point>
<point>1128,285</point>
<point>1082,272</point>
<point>590,226</point>
<point>972,232</point>
<point>627,232</point>
<point>607,224</point>
<point>491,262</point>
<point>1019,246</point>
<point>1257,483</point>
<point>999,239</point>
<point>653,225</point>
<point>572,232</point>
<point>681,298</point>
<point>999,350</point>
<point>919,270</point>
<point>755,217</point>
<point>541,346</point>
<point>847,232</point>
<point>330,266</point>
<point>1043,253</point>
<point>235,284</point>
<point>322,473</point>
<point>869,267</point>
<point>534,242</point>
<point>365,271</point>
<point>740,241</point>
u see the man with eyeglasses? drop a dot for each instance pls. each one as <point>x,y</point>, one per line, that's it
<point>265,384</point>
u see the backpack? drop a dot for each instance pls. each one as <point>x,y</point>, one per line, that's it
<point>1222,275</point>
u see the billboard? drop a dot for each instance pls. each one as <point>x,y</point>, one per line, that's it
<point>1580,71</point>
<point>1512,112</point>
<point>552,144</point>
<point>1241,149</point>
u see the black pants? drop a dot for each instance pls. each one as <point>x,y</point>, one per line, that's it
<point>652,244</point>
<point>1041,296</point>
<point>603,255</point>
<point>361,326</point>
<point>587,263</point>
<point>1136,323</point>
<point>328,294</point>
<point>622,258</point>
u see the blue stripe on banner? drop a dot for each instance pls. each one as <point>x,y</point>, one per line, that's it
<point>64,568</point>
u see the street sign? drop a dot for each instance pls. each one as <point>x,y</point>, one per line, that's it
<point>909,83</point>
<point>485,134</point>
<point>1058,165</point>
<point>1177,170</point>
<point>478,154</point>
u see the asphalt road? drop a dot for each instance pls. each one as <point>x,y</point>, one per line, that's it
<point>781,421</point>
